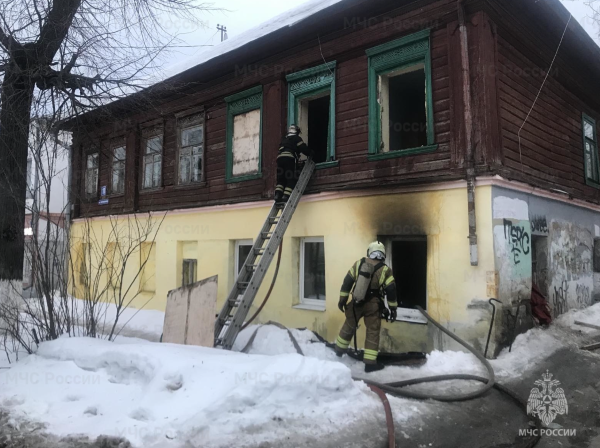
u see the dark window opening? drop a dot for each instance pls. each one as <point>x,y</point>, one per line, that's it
<point>409,264</point>
<point>243,252</point>
<point>407,111</point>
<point>189,272</point>
<point>318,127</point>
<point>539,262</point>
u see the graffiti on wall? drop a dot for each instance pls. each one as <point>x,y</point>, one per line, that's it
<point>584,296</point>
<point>539,224</point>
<point>560,298</point>
<point>519,239</point>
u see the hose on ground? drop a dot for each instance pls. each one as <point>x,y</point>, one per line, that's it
<point>266,299</point>
<point>389,419</point>
<point>446,398</point>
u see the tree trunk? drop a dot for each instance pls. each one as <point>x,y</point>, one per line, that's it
<point>15,101</point>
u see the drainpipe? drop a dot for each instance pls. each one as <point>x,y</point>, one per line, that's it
<point>470,153</point>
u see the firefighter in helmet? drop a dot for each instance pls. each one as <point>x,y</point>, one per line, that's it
<point>290,149</point>
<point>368,280</point>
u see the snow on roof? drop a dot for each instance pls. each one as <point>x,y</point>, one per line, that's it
<point>287,19</point>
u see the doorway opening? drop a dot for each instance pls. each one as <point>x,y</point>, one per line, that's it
<point>408,261</point>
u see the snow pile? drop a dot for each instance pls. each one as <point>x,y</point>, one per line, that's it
<point>590,315</point>
<point>287,19</point>
<point>163,395</point>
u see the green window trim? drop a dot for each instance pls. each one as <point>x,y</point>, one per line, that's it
<point>391,56</point>
<point>309,82</point>
<point>240,103</point>
<point>592,182</point>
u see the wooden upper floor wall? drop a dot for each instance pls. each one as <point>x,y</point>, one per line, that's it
<point>507,71</point>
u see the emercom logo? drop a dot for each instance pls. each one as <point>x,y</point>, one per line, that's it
<point>547,400</point>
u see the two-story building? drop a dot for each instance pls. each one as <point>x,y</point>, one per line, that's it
<point>460,133</point>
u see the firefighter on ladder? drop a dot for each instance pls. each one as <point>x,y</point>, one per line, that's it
<point>370,277</point>
<point>290,149</point>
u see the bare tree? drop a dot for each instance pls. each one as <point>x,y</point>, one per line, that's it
<point>67,56</point>
<point>106,271</point>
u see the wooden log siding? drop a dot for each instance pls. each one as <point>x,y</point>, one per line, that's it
<point>551,153</point>
<point>551,141</point>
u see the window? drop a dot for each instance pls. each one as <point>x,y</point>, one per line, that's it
<point>244,135</point>
<point>112,265</point>
<point>407,257</point>
<point>189,272</point>
<point>91,174</point>
<point>312,272</point>
<point>153,161</point>
<point>400,98</point>
<point>242,250</point>
<point>118,170</point>
<point>148,266</point>
<point>590,148</point>
<point>84,275</point>
<point>191,150</point>
<point>311,102</point>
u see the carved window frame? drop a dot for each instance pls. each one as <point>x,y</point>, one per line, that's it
<point>399,54</point>
<point>237,104</point>
<point>307,83</point>
<point>591,181</point>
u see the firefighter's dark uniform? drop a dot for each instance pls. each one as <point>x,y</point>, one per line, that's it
<point>289,152</point>
<point>369,309</point>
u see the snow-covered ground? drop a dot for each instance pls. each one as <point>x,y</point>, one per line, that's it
<point>165,395</point>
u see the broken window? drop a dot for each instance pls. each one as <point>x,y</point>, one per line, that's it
<point>408,260</point>
<point>118,170</point>
<point>191,153</point>
<point>242,250</point>
<point>188,272</point>
<point>312,271</point>
<point>312,107</point>
<point>153,162</point>
<point>400,98</point>
<point>244,124</point>
<point>590,147</point>
<point>91,174</point>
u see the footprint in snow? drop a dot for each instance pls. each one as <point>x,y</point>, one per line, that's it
<point>92,410</point>
<point>140,414</point>
<point>72,398</point>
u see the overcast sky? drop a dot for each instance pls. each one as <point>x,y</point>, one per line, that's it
<point>241,15</point>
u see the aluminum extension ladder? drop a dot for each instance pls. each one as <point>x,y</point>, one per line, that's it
<point>236,307</point>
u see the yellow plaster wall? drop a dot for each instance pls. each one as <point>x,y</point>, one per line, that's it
<point>348,225</point>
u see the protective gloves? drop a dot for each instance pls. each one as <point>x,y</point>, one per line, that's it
<point>393,313</point>
<point>342,304</point>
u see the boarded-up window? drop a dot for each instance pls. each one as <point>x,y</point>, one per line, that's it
<point>244,115</point>
<point>148,266</point>
<point>246,139</point>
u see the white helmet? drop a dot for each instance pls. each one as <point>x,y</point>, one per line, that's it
<point>376,251</point>
<point>295,130</point>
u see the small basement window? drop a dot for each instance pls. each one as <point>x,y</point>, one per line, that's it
<point>189,272</point>
<point>242,250</point>
<point>403,111</point>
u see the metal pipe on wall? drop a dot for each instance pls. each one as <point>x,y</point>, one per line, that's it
<point>470,153</point>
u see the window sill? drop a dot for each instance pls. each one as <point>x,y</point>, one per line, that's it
<point>116,195</point>
<point>402,153</point>
<point>325,165</point>
<point>308,307</point>
<point>231,180</point>
<point>411,316</point>
<point>191,185</point>
<point>591,183</point>
<point>151,190</point>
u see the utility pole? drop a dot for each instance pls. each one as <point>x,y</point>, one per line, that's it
<point>223,30</point>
